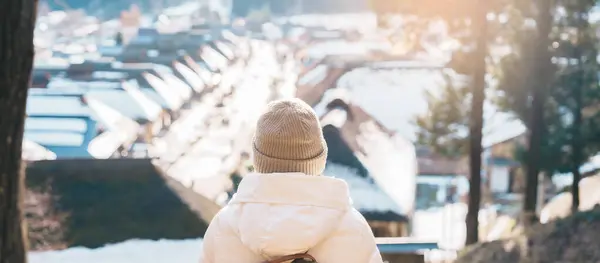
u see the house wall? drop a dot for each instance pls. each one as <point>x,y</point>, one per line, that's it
<point>499,176</point>
<point>507,148</point>
<point>388,228</point>
<point>499,179</point>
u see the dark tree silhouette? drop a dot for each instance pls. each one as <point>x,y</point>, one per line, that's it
<point>17,21</point>
<point>538,100</point>
<point>476,125</point>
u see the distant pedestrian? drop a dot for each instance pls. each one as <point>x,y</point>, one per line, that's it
<point>287,207</point>
<point>119,39</point>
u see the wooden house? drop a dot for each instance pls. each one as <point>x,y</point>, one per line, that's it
<point>441,179</point>
<point>503,173</point>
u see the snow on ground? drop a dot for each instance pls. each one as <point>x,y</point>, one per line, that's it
<point>445,225</point>
<point>132,251</point>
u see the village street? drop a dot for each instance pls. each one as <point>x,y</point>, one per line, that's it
<point>214,133</point>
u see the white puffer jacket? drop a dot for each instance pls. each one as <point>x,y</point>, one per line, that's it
<point>274,215</point>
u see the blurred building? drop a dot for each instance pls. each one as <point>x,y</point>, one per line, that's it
<point>241,8</point>
<point>379,167</point>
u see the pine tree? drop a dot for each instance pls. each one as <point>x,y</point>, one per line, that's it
<point>577,86</point>
<point>466,21</point>
<point>444,127</point>
<point>562,137</point>
<point>524,81</point>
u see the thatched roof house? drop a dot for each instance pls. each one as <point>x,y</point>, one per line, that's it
<point>382,165</point>
<point>311,86</point>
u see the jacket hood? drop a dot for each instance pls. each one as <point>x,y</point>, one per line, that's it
<point>287,213</point>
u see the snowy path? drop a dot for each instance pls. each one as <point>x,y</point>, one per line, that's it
<point>227,130</point>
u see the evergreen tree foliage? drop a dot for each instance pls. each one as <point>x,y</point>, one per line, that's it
<point>571,122</point>
<point>574,86</point>
<point>467,22</point>
<point>444,127</point>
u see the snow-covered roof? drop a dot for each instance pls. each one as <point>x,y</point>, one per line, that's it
<point>404,99</point>
<point>59,138</point>
<point>404,94</point>
<point>314,76</point>
<point>391,164</point>
<point>366,21</point>
<point>35,152</point>
<point>417,64</point>
<point>366,194</point>
<point>342,47</point>
<point>105,145</point>
<point>121,101</point>
<point>56,106</point>
<point>500,127</point>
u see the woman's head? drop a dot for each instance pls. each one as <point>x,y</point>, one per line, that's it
<point>288,138</point>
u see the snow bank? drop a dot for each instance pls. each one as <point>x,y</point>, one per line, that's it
<point>132,251</point>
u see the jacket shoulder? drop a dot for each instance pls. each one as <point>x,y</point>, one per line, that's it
<point>353,222</point>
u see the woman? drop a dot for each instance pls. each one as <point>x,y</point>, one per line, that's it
<point>287,207</point>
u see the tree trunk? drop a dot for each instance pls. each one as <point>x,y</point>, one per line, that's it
<point>17,20</point>
<point>542,58</point>
<point>576,144</point>
<point>476,123</point>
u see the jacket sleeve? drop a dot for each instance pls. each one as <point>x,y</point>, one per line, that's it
<point>372,244</point>
<point>352,242</point>
<point>208,249</point>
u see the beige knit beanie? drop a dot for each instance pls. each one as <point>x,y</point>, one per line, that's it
<point>288,138</point>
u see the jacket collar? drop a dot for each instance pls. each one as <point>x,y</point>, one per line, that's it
<point>293,189</point>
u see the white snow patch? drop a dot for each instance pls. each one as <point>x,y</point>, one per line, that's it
<point>131,251</point>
